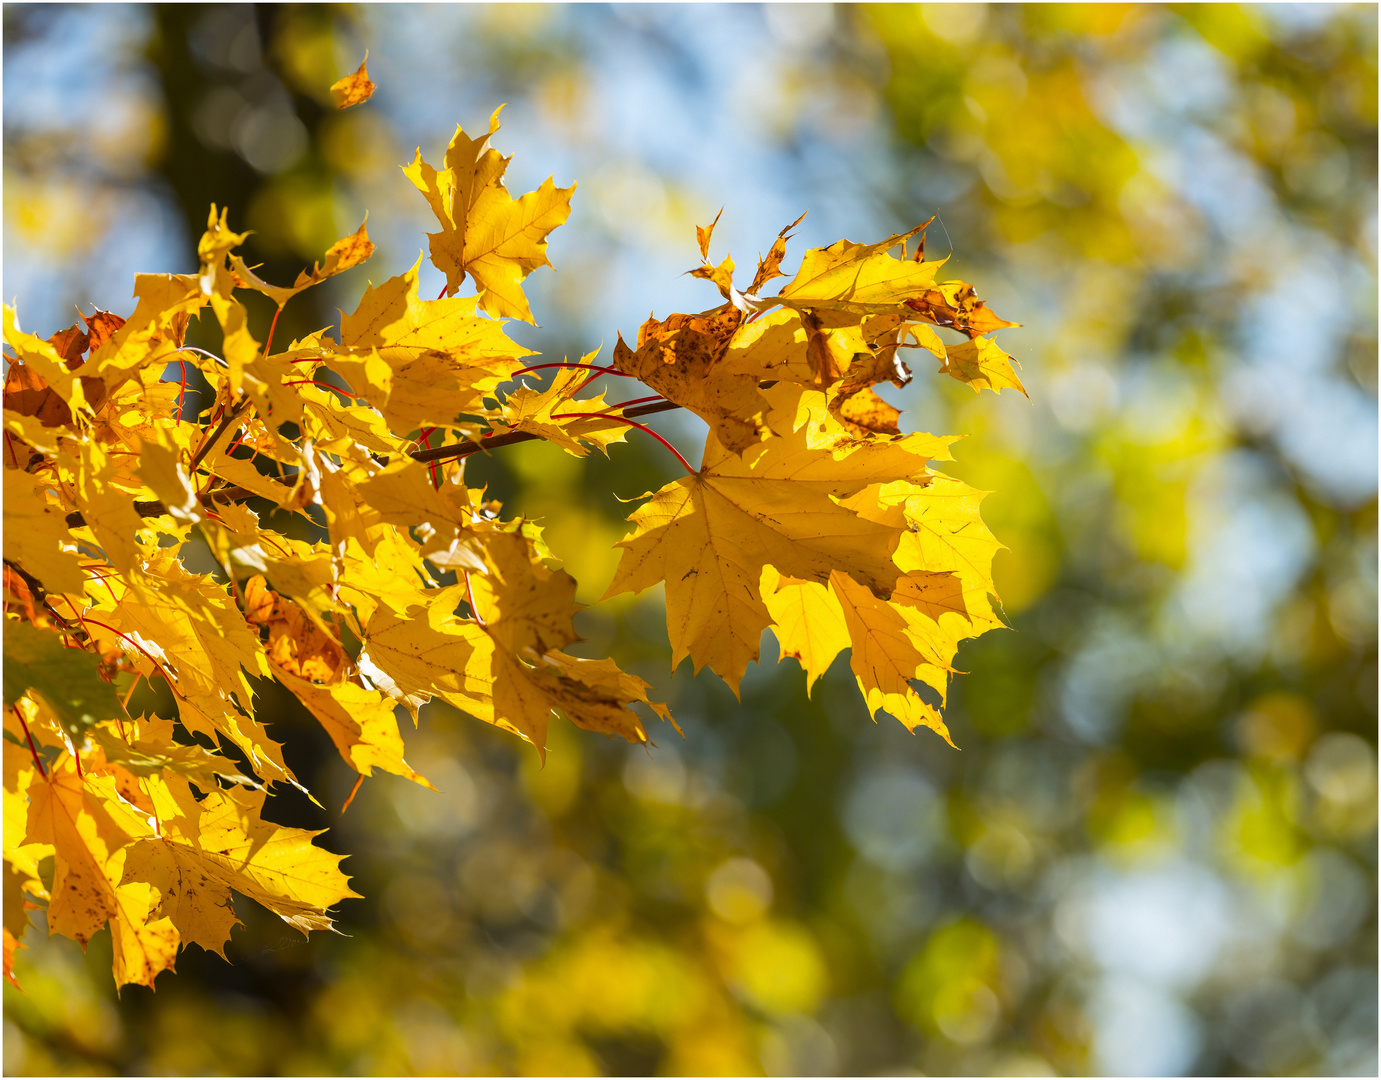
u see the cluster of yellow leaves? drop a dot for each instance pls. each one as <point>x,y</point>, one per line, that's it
<point>810,514</point>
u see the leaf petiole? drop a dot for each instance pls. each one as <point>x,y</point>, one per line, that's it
<point>630,423</point>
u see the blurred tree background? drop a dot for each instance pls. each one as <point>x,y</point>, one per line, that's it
<point>1155,851</point>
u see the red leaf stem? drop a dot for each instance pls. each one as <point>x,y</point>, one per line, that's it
<point>33,750</point>
<point>630,423</point>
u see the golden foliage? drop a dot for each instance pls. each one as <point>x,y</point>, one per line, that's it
<point>810,514</point>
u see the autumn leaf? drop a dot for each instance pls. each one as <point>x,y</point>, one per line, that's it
<point>981,363</point>
<point>770,265</point>
<point>442,358</point>
<point>808,624</point>
<point>88,826</point>
<point>681,360</point>
<point>403,495</point>
<point>888,653</point>
<point>953,304</point>
<point>353,89</point>
<point>710,535</point>
<point>504,666</point>
<point>297,646</point>
<point>361,723</point>
<point>221,843</point>
<point>485,232</point>
<point>862,279</point>
<point>37,536</point>
<point>147,746</point>
<point>341,256</point>
<point>522,604</point>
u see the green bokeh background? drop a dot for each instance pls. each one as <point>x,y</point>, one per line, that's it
<point>1154,851</point>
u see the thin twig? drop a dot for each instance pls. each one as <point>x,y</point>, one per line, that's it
<point>205,448</point>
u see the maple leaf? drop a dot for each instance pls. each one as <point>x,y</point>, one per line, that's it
<point>343,255</point>
<point>147,746</point>
<point>681,360</point>
<point>189,629</point>
<point>221,843</point>
<point>88,825</point>
<point>441,358</point>
<point>48,371</point>
<point>723,274</point>
<point>710,535</point>
<point>361,723</point>
<point>954,304</point>
<point>862,279</point>
<point>981,363</point>
<point>297,645</point>
<point>504,666</point>
<point>402,495</point>
<point>888,652</point>
<point>354,89</point>
<point>485,232</point>
<point>26,394</point>
<point>769,265</point>
<point>36,533</point>
<point>807,625</point>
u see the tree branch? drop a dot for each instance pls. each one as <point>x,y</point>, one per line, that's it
<point>154,508</point>
<point>470,446</point>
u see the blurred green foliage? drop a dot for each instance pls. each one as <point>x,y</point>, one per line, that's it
<point>1155,851</point>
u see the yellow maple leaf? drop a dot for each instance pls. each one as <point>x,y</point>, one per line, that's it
<point>520,695</point>
<point>107,507</point>
<point>523,605</point>
<point>402,495</point>
<point>37,536</point>
<point>888,654</point>
<point>443,358</point>
<point>504,667</point>
<point>863,279</point>
<point>343,255</point>
<point>981,363</point>
<point>806,621</point>
<point>192,629</point>
<point>710,535</point>
<point>360,722</point>
<point>210,847</point>
<point>89,825</point>
<point>485,232</point>
<point>147,745</point>
<point>387,569</point>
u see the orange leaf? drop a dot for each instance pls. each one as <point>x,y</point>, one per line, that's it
<point>353,89</point>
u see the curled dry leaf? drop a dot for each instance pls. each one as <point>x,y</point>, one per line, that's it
<point>354,89</point>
